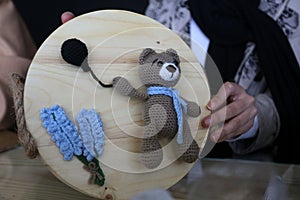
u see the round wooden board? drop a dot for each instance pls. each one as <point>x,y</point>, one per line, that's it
<point>114,39</point>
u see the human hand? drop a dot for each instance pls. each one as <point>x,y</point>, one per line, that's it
<point>233,109</point>
<point>66,16</point>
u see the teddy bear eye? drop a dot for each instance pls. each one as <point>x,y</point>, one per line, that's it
<point>160,63</point>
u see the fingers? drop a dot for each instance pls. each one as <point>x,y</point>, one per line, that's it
<point>230,111</point>
<point>67,16</point>
<point>234,127</point>
<point>233,112</point>
<point>228,91</point>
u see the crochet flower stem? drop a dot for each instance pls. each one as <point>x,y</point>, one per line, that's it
<point>97,176</point>
<point>65,135</point>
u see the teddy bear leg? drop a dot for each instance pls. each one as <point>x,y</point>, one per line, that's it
<point>189,149</point>
<point>152,153</point>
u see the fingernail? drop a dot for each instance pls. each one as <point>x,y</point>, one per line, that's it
<point>209,105</point>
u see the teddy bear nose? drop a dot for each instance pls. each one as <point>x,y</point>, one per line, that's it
<point>171,68</point>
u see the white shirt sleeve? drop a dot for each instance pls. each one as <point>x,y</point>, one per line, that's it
<point>199,42</point>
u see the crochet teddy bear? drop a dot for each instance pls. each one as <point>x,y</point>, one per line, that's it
<point>164,111</point>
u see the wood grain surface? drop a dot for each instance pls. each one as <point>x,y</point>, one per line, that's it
<point>114,40</point>
<point>8,140</point>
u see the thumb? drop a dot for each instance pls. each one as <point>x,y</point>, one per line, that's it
<point>67,16</point>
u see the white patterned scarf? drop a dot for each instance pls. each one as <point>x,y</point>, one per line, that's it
<point>174,14</point>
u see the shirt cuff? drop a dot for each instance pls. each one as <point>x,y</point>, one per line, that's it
<point>252,132</point>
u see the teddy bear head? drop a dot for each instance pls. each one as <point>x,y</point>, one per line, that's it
<point>159,69</point>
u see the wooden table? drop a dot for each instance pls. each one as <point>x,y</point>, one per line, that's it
<point>22,178</point>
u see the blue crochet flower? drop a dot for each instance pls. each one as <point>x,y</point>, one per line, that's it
<point>65,135</point>
<point>91,130</point>
<point>64,132</point>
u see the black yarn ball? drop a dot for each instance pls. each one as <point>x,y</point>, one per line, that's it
<point>74,51</point>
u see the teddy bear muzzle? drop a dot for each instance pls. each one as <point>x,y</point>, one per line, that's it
<point>169,72</point>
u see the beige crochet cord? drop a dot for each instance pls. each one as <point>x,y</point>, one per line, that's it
<point>115,40</point>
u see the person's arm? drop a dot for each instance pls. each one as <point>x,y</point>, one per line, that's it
<point>237,130</point>
<point>237,110</point>
<point>16,52</point>
<point>268,127</point>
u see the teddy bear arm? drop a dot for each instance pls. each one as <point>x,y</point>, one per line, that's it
<point>123,86</point>
<point>139,95</point>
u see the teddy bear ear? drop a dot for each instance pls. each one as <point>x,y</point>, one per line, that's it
<point>145,53</point>
<point>173,53</point>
